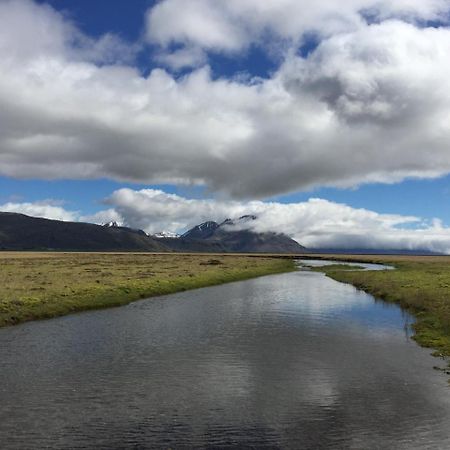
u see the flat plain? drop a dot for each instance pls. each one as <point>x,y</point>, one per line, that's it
<point>35,285</point>
<point>44,285</point>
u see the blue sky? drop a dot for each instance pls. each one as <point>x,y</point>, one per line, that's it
<point>103,16</point>
<point>229,104</point>
<point>423,198</point>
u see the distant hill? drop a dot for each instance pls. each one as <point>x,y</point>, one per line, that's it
<point>233,236</point>
<point>21,232</point>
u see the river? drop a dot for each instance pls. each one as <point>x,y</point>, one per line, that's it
<point>286,361</point>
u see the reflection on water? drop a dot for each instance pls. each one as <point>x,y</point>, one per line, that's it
<point>287,361</point>
<point>360,265</point>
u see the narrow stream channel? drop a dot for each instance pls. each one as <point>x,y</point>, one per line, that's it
<point>287,361</point>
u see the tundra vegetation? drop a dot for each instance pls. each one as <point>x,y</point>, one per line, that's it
<point>44,285</point>
<point>420,285</point>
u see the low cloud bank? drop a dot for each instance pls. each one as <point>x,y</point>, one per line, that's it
<point>316,223</point>
<point>47,209</point>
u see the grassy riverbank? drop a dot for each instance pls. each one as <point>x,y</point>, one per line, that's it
<point>44,285</point>
<point>420,285</point>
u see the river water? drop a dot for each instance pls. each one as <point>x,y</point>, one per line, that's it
<point>286,361</point>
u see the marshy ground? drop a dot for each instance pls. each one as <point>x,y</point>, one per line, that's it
<point>420,284</point>
<point>44,285</point>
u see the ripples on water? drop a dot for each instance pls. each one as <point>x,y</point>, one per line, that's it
<point>359,265</point>
<point>287,361</point>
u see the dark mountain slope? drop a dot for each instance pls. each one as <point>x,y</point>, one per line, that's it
<point>21,232</point>
<point>233,236</point>
<point>202,231</point>
<point>246,241</point>
<point>187,245</point>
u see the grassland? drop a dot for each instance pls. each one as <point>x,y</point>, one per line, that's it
<point>44,285</point>
<point>420,285</point>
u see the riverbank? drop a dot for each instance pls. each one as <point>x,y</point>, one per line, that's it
<point>44,285</point>
<point>420,285</point>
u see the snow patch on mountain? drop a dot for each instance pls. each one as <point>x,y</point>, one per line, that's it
<point>112,224</point>
<point>242,223</point>
<point>166,234</point>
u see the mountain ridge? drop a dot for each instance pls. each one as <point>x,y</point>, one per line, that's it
<point>22,232</point>
<point>234,236</point>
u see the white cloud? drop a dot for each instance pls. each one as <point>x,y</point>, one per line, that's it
<point>200,22</point>
<point>55,210</point>
<point>102,217</point>
<point>316,223</point>
<point>154,210</point>
<point>231,26</point>
<point>184,57</point>
<point>37,32</point>
<point>48,209</point>
<point>370,104</point>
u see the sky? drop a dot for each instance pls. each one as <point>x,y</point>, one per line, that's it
<point>328,120</point>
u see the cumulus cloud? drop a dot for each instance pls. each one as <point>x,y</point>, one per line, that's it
<point>370,104</point>
<point>102,217</point>
<point>48,209</point>
<point>231,26</point>
<point>316,223</point>
<point>55,210</point>
<point>31,32</point>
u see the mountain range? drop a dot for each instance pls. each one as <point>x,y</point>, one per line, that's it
<point>233,236</point>
<point>21,232</point>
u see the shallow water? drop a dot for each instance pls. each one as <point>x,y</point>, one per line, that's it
<point>287,361</point>
<point>324,263</point>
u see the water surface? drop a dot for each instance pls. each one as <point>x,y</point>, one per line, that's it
<point>360,265</point>
<point>287,361</point>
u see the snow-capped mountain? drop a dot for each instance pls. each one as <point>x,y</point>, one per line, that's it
<point>112,224</point>
<point>239,222</point>
<point>233,235</point>
<point>202,231</point>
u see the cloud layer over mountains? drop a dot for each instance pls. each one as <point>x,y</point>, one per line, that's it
<point>370,103</point>
<point>360,93</point>
<point>316,223</point>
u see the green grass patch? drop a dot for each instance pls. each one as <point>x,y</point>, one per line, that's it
<point>43,285</point>
<point>420,285</point>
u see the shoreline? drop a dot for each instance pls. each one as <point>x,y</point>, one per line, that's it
<point>43,285</point>
<point>418,286</point>
<point>36,286</point>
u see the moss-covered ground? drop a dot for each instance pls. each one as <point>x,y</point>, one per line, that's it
<point>44,285</point>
